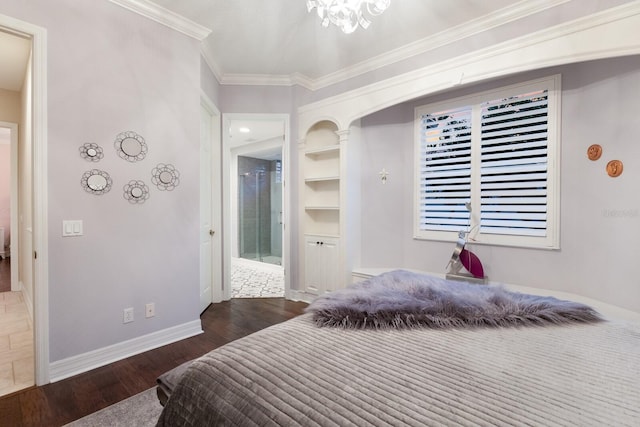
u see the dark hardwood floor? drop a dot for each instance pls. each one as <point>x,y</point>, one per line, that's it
<point>64,401</point>
<point>5,275</point>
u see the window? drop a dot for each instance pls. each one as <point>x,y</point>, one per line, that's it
<point>488,164</point>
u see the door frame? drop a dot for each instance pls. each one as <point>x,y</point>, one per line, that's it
<point>38,98</point>
<point>13,197</point>
<point>216,198</point>
<point>228,193</point>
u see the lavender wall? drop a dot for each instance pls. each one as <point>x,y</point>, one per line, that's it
<point>209,83</point>
<point>600,220</point>
<point>110,70</point>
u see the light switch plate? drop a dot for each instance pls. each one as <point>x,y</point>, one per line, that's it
<point>72,228</point>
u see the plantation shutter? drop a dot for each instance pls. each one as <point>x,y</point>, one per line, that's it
<point>445,170</point>
<point>514,165</point>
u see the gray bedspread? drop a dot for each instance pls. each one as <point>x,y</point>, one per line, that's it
<point>295,374</point>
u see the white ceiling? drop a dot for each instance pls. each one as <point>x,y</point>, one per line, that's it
<point>280,41</point>
<point>280,38</point>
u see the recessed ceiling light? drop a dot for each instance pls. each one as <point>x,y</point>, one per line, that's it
<point>244,130</point>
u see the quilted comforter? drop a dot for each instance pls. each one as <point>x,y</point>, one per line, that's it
<point>296,373</point>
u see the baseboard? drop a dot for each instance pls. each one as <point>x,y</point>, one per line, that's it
<point>296,295</point>
<point>74,365</point>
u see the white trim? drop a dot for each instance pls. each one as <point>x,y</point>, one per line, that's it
<point>217,72</point>
<point>165,17</point>
<point>38,37</point>
<point>610,33</point>
<point>216,197</point>
<point>467,29</point>
<point>84,362</point>
<point>40,205</point>
<point>228,187</point>
<point>473,101</point>
<point>298,295</point>
<point>462,31</point>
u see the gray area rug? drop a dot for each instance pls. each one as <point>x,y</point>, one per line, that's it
<point>141,410</point>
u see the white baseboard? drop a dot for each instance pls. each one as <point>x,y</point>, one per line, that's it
<point>296,295</point>
<point>74,365</point>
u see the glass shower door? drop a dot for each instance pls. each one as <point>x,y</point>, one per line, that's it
<point>259,211</point>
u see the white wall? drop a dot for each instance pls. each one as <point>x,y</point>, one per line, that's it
<point>110,70</point>
<point>600,222</point>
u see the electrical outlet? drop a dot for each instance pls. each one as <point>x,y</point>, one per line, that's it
<point>127,315</point>
<point>150,310</point>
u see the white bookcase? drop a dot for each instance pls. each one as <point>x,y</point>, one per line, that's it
<point>325,239</point>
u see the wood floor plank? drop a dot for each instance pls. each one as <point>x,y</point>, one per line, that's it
<point>67,400</point>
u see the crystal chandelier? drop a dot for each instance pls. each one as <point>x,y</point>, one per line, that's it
<point>347,14</point>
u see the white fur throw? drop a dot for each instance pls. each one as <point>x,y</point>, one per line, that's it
<point>402,299</point>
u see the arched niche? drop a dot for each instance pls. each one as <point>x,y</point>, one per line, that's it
<point>321,134</point>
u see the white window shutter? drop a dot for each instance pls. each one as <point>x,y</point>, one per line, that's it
<point>514,165</point>
<point>445,170</point>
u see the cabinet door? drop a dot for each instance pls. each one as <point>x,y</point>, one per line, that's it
<point>331,262</point>
<point>313,266</point>
<point>321,264</point>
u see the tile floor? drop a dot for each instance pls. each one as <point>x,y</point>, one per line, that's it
<point>251,279</point>
<point>16,344</point>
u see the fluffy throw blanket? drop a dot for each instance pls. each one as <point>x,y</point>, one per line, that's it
<point>402,299</point>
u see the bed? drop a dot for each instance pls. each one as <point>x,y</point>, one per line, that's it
<point>297,373</point>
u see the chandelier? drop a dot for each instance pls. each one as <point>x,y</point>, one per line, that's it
<point>347,14</point>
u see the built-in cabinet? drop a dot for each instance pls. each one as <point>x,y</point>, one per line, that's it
<point>321,260</point>
<point>324,171</point>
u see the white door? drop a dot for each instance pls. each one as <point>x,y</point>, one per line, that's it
<point>206,214</point>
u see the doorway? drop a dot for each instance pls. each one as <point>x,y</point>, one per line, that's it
<point>17,370</point>
<point>256,253</point>
<point>260,207</point>
<point>32,271</point>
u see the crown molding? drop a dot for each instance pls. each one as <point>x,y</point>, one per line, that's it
<point>487,22</point>
<point>213,66</point>
<point>606,34</point>
<point>165,17</point>
<point>451,35</point>
<point>257,79</point>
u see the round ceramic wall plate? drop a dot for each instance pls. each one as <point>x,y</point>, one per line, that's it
<point>614,168</point>
<point>594,152</point>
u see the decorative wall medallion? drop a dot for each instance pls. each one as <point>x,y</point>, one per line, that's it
<point>614,168</point>
<point>96,182</point>
<point>136,191</point>
<point>594,152</point>
<point>165,177</point>
<point>91,152</point>
<point>130,146</point>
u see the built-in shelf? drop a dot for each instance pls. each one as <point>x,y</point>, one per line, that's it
<point>320,161</point>
<point>322,208</point>
<point>323,150</point>
<point>322,178</point>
